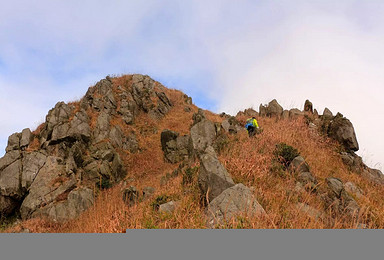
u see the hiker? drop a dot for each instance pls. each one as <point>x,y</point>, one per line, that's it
<point>251,126</point>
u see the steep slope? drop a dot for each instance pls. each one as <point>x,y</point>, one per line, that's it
<point>107,162</point>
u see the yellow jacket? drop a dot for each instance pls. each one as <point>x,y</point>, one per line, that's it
<point>253,122</point>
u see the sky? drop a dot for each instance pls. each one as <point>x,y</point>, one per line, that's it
<point>227,55</point>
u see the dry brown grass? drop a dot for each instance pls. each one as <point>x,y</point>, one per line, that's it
<point>247,160</point>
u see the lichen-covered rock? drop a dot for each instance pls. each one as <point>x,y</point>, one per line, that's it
<point>101,131</point>
<point>77,202</point>
<point>32,164</point>
<point>234,201</point>
<point>48,185</point>
<point>213,177</point>
<point>203,135</point>
<point>176,148</point>
<point>10,180</point>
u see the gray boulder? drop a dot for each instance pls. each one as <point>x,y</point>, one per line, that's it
<point>338,199</point>
<point>274,109</point>
<point>341,129</point>
<point>203,135</point>
<point>32,164</point>
<point>310,211</point>
<point>48,185</point>
<point>263,110</point>
<point>10,180</point>
<point>9,158</point>
<point>79,127</point>
<point>102,127</point>
<point>234,201</point>
<point>213,177</point>
<point>285,114</point>
<point>307,180</point>
<point>168,207</point>
<point>327,114</point>
<point>77,202</point>
<point>58,117</point>
<point>373,175</point>
<point>353,161</point>
<point>26,137</point>
<point>176,148</point>
<point>295,113</point>
<point>299,165</point>
<point>351,188</point>
<point>308,107</point>
<point>198,117</point>
<point>13,142</point>
<point>250,112</point>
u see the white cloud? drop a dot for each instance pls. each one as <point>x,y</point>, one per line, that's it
<point>239,53</point>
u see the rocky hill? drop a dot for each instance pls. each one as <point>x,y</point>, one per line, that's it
<point>135,154</point>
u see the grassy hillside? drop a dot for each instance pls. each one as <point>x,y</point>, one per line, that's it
<point>250,161</point>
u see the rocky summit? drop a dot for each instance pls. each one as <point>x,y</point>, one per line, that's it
<point>135,154</point>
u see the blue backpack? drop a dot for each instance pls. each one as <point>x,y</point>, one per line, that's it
<point>249,124</point>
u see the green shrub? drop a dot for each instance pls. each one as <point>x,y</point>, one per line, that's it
<point>104,183</point>
<point>161,199</point>
<point>285,154</point>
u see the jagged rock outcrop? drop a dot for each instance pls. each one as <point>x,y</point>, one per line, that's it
<point>231,125</point>
<point>213,177</point>
<point>305,179</point>
<point>272,110</point>
<point>77,149</point>
<point>176,148</point>
<point>308,106</point>
<point>203,135</point>
<point>235,200</point>
<point>198,117</point>
<point>341,129</point>
<point>249,112</point>
<point>338,198</point>
<point>49,184</point>
<point>77,201</point>
<point>327,114</point>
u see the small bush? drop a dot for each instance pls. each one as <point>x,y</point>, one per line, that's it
<point>189,174</point>
<point>104,183</point>
<point>285,154</point>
